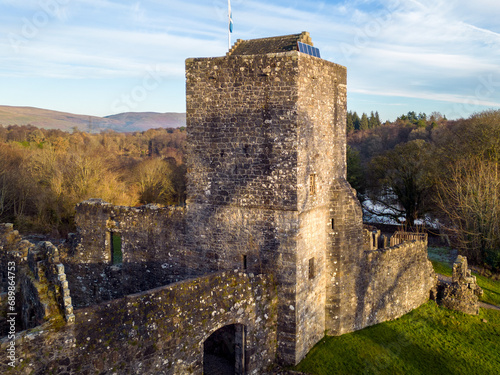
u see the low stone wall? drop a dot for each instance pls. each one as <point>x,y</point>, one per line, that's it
<point>393,281</point>
<point>160,331</point>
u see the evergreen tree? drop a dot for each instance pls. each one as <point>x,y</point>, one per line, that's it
<point>377,119</point>
<point>372,122</point>
<point>364,123</point>
<point>356,121</point>
<point>350,122</point>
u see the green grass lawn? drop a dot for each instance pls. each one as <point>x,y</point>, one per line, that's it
<point>429,340</point>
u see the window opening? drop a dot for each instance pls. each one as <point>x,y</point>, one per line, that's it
<point>312,184</point>
<point>311,269</point>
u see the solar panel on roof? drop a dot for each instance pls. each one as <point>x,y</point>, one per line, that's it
<point>310,50</point>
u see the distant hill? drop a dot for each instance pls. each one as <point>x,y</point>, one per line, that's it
<point>149,120</point>
<point>122,122</point>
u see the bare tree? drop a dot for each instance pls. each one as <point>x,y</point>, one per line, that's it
<point>470,200</point>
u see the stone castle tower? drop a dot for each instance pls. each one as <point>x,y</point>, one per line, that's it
<point>267,187</point>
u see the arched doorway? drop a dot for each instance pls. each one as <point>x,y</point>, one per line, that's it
<point>224,351</point>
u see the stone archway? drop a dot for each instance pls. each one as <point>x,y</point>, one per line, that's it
<point>224,351</point>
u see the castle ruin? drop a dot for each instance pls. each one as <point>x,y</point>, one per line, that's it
<point>268,254</point>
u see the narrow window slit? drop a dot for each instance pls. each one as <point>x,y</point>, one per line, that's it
<point>312,271</point>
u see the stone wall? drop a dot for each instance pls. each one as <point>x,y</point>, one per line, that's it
<point>321,108</point>
<point>344,258</point>
<point>160,331</point>
<point>41,290</point>
<point>152,240</point>
<point>391,282</point>
<point>242,130</point>
<point>242,171</point>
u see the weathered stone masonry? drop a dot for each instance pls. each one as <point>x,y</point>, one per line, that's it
<point>160,331</point>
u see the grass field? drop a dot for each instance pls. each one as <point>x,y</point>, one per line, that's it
<point>429,340</point>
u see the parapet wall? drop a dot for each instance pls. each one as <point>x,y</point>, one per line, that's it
<point>392,282</point>
<point>160,331</point>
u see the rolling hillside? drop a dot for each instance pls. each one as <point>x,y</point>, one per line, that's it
<point>123,122</point>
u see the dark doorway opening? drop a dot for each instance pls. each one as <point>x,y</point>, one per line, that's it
<point>116,248</point>
<point>224,351</point>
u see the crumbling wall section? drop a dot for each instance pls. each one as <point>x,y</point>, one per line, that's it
<point>152,248</point>
<point>35,282</point>
<point>160,331</point>
<point>463,293</point>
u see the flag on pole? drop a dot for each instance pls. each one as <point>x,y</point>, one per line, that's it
<point>230,14</point>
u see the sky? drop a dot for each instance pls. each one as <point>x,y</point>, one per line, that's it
<point>102,57</point>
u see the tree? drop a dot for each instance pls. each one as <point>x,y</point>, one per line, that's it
<point>469,189</point>
<point>377,119</point>
<point>154,179</point>
<point>402,180</point>
<point>374,120</point>
<point>364,124</point>
<point>470,200</point>
<point>355,170</point>
<point>349,122</point>
<point>356,121</point>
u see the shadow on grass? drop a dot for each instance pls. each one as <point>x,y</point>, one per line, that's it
<point>429,340</point>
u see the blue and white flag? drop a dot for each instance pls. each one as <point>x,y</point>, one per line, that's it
<point>230,14</point>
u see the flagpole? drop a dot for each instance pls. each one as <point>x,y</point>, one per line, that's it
<point>229,20</point>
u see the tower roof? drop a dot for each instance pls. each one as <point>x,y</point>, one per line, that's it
<point>273,44</point>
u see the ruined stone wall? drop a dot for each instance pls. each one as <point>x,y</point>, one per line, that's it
<point>160,331</point>
<point>36,283</point>
<point>152,240</point>
<point>392,282</point>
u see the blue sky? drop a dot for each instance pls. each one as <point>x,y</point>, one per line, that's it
<point>101,57</point>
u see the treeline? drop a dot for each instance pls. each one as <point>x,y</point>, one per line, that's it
<point>365,122</point>
<point>418,168</point>
<point>45,173</point>
<point>425,168</point>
